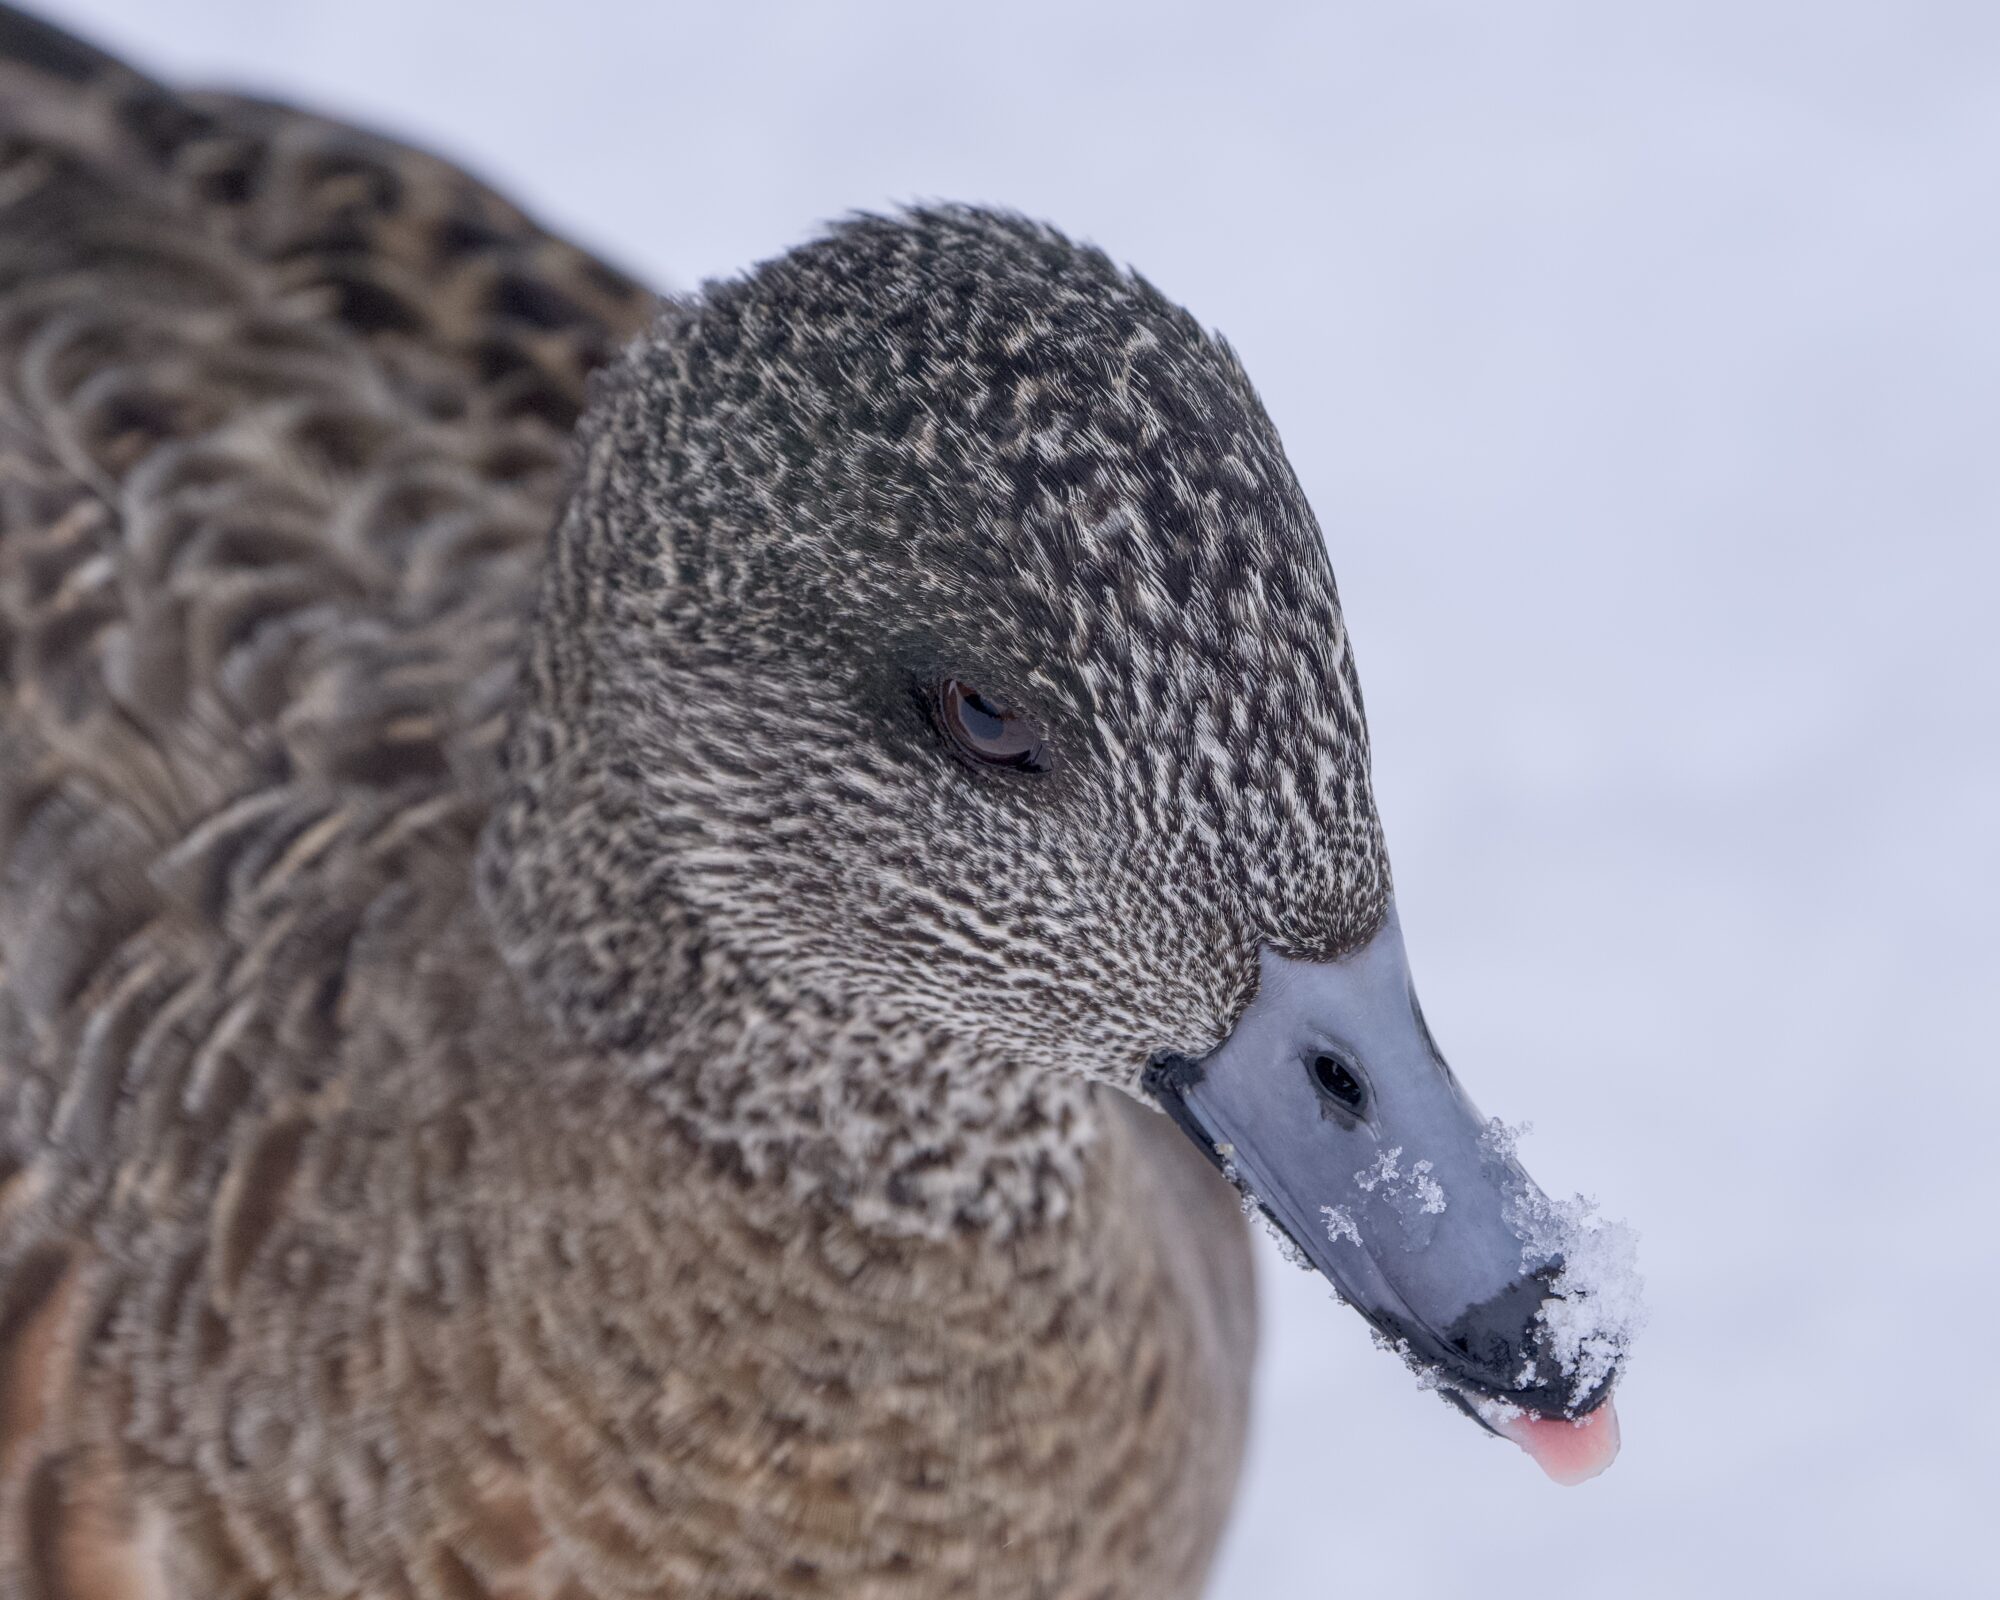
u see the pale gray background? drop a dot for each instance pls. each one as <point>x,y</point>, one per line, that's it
<point>1643,363</point>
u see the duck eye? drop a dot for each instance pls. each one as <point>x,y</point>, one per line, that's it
<point>1340,1083</point>
<point>989,733</point>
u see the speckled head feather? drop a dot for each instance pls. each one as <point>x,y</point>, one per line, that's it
<point>946,444</point>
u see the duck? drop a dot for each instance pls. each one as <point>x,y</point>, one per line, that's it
<point>655,945</point>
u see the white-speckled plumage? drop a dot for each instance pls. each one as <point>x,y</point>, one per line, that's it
<point>527,1067</point>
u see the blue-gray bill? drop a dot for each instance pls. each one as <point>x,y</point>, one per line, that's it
<point>1330,1105</point>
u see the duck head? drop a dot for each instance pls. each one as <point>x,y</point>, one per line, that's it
<point>939,673</point>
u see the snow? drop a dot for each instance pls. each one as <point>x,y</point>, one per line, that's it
<point>1281,1242</point>
<point>1641,364</point>
<point>1427,1374</point>
<point>1253,1208</point>
<point>1430,1193</point>
<point>1502,1141</point>
<point>1596,1305</point>
<point>1340,1224</point>
<point>1411,1194</point>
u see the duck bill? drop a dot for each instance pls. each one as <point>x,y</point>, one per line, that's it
<point>1330,1106</point>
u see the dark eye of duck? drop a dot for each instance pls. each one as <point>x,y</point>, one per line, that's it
<point>988,733</point>
<point>1339,1082</point>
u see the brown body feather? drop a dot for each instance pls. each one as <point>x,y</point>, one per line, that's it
<point>324,1269</point>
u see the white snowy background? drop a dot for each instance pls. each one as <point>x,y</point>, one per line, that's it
<point>1643,364</point>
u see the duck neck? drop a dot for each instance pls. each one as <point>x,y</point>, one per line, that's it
<point>904,1131</point>
<point>991,1420</point>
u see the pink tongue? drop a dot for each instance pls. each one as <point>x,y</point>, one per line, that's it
<point>1568,1452</point>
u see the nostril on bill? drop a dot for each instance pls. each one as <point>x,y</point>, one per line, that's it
<point>1340,1084</point>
